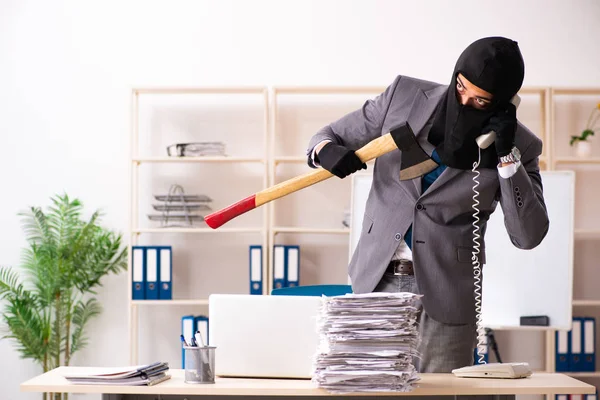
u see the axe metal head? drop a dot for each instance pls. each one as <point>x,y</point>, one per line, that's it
<point>415,162</point>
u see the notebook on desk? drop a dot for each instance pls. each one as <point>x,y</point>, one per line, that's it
<point>264,336</point>
<point>148,375</point>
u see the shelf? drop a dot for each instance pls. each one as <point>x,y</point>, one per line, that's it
<point>300,160</point>
<point>577,160</point>
<point>286,229</point>
<point>290,159</point>
<point>199,160</point>
<point>588,303</point>
<point>583,374</point>
<point>521,328</point>
<point>576,91</point>
<point>327,90</point>
<point>199,90</point>
<point>587,233</point>
<point>198,230</point>
<point>190,302</point>
<point>533,90</point>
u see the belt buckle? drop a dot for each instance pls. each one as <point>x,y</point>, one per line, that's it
<point>401,273</point>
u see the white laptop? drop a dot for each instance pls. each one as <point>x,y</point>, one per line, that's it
<point>264,336</point>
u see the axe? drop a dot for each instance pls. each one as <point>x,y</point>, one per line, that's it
<point>414,163</point>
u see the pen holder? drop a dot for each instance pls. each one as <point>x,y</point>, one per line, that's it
<point>199,364</point>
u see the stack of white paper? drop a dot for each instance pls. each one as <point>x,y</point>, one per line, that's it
<point>367,343</point>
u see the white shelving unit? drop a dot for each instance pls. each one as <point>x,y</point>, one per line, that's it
<point>136,160</point>
<point>279,134</point>
<point>541,118</point>
<point>560,131</point>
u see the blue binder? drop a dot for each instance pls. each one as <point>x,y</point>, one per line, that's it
<point>165,266</point>
<point>138,268</point>
<point>589,345</point>
<point>255,262</point>
<point>279,267</point>
<point>201,324</point>
<point>485,354</point>
<point>313,290</point>
<point>576,351</point>
<point>563,354</point>
<point>151,273</point>
<point>292,265</point>
<point>187,330</point>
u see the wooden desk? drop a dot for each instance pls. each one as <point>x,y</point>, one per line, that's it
<point>429,385</point>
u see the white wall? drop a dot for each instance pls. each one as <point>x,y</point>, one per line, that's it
<point>66,69</point>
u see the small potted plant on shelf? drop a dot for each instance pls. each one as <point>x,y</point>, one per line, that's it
<point>583,147</point>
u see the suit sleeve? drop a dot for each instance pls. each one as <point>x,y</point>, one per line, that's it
<point>356,129</point>
<point>522,201</point>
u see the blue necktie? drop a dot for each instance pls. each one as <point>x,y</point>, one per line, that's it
<point>426,181</point>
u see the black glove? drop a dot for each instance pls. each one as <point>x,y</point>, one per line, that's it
<point>339,160</point>
<point>504,123</point>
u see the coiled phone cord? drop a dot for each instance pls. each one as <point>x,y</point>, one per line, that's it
<point>481,337</point>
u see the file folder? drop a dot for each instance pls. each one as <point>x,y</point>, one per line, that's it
<point>187,330</point>
<point>138,267</point>
<point>561,397</point>
<point>577,396</point>
<point>563,351</point>
<point>576,346</point>
<point>292,258</point>
<point>255,261</point>
<point>591,396</point>
<point>201,324</point>
<point>151,273</point>
<point>166,272</point>
<point>589,345</point>
<point>278,266</point>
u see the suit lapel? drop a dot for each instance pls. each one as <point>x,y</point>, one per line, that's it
<point>445,177</point>
<point>421,111</point>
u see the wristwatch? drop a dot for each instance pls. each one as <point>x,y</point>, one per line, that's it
<point>512,157</point>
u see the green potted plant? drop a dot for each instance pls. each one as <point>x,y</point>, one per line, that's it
<point>49,300</point>
<point>583,147</point>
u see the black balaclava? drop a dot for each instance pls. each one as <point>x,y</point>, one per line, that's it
<point>495,65</point>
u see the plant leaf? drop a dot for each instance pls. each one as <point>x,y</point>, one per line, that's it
<point>82,314</point>
<point>27,328</point>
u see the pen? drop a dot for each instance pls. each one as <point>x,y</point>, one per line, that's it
<point>183,340</point>
<point>199,339</point>
<point>194,343</point>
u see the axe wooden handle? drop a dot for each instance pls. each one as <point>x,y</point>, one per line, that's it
<point>376,148</point>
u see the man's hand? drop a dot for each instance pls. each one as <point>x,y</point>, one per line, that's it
<point>339,160</point>
<point>504,123</point>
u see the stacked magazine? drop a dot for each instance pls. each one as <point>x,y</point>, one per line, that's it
<point>367,343</point>
<point>149,375</point>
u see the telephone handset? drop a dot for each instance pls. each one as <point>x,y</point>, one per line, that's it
<point>484,141</point>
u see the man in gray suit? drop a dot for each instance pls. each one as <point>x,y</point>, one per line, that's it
<point>417,235</point>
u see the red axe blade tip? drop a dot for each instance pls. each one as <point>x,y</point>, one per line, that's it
<point>220,217</point>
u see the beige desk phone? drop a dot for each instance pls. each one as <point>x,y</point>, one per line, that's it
<point>491,370</point>
<point>485,140</point>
